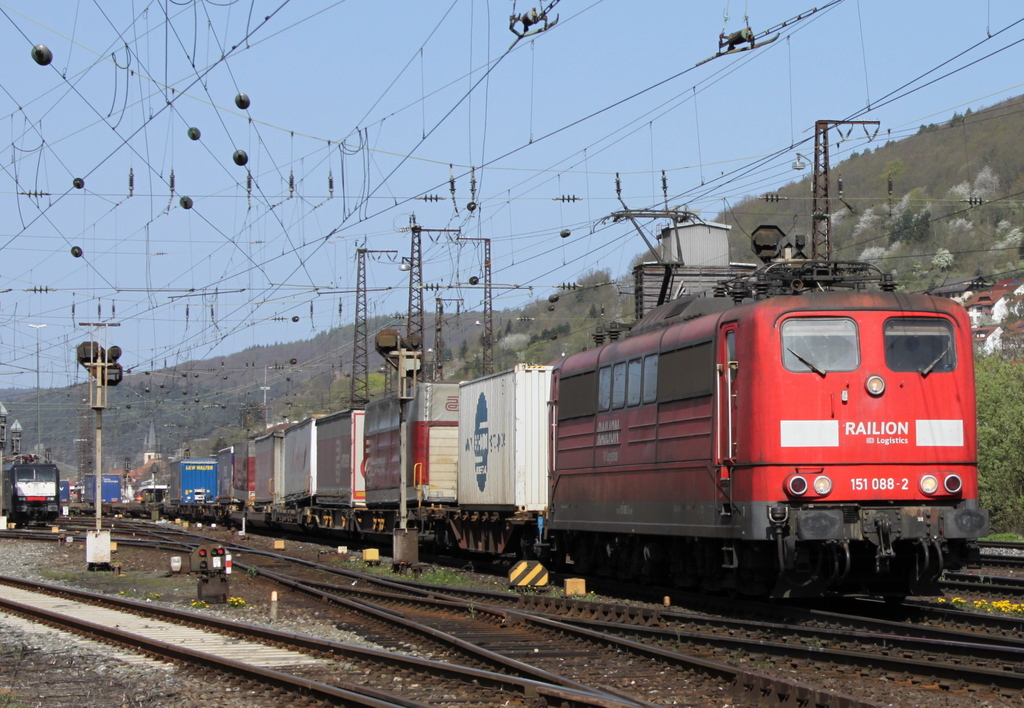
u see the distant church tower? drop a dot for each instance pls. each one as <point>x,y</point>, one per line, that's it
<point>150,447</point>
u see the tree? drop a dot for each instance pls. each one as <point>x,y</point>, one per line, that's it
<point>943,260</point>
<point>911,227</point>
<point>1000,386</point>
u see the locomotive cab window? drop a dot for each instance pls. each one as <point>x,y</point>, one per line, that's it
<point>820,345</point>
<point>922,344</point>
<point>35,474</point>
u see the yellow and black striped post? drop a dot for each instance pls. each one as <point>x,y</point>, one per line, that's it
<point>528,574</point>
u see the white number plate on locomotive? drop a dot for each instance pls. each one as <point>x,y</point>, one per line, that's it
<point>875,484</point>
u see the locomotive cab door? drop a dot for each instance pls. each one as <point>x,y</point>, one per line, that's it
<point>728,372</point>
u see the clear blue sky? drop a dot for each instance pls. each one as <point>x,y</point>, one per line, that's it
<point>383,97</point>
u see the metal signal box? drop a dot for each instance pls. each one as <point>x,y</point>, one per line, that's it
<point>199,561</point>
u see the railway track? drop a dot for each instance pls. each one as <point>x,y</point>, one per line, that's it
<point>558,636</point>
<point>302,666</point>
<point>619,669</point>
<point>945,659</point>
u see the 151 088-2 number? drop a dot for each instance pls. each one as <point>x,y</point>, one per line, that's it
<point>876,484</point>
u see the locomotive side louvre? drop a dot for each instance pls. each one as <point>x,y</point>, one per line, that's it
<point>340,441</point>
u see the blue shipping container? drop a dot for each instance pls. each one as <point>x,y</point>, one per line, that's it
<point>198,481</point>
<point>65,492</point>
<point>111,488</point>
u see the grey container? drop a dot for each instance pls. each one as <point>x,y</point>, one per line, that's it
<point>269,454</point>
<point>300,482</point>
<point>340,443</point>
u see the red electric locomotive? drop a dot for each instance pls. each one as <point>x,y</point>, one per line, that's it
<point>795,445</point>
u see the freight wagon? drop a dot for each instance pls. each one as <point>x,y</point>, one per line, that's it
<point>340,444</point>
<point>196,481</point>
<point>110,488</point>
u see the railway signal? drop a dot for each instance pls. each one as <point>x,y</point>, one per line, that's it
<point>101,363</point>
<point>211,564</point>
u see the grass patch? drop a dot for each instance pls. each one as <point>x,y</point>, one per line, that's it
<point>66,575</point>
<point>1004,538</point>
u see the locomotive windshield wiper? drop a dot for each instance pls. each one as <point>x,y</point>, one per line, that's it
<point>816,369</point>
<point>928,369</point>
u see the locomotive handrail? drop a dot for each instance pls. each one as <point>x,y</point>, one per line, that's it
<point>417,482</point>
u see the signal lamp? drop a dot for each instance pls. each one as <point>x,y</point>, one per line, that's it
<point>822,485</point>
<point>929,485</point>
<point>953,484</point>
<point>875,385</point>
<point>796,485</point>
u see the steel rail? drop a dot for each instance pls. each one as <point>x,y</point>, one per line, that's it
<point>529,688</point>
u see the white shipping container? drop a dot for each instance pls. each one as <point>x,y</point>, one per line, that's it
<point>300,461</point>
<point>504,439</point>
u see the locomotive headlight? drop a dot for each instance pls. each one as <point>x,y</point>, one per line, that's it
<point>822,485</point>
<point>929,485</point>
<point>796,485</point>
<point>875,385</point>
<point>953,484</point>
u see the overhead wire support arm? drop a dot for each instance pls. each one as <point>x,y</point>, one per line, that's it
<point>530,19</point>
<point>731,42</point>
